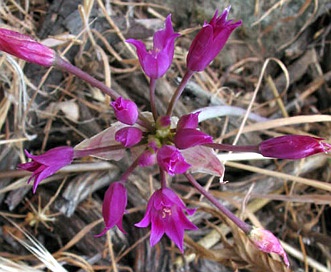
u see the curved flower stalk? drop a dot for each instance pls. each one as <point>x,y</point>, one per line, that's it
<point>175,145</point>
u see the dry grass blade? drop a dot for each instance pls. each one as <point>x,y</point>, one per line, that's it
<point>281,122</point>
<point>313,183</point>
<point>38,250</point>
<point>8,265</point>
<point>310,261</point>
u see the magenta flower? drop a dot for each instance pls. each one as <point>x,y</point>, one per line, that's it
<point>126,111</point>
<point>128,136</point>
<point>47,164</point>
<point>293,147</point>
<point>171,160</point>
<point>188,121</point>
<point>163,122</point>
<point>165,213</point>
<point>157,61</point>
<point>147,158</point>
<point>210,40</point>
<point>189,137</point>
<point>113,207</point>
<point>23,47</point>
<point>267,242</point>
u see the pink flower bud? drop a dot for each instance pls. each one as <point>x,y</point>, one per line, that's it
<point>267,242</point>
<point>147,158</point>
<point>293,147</point>
<point>126,111</point>
<point>113,207</point>
<point>210,41</point>
<point>163,122</point>
<point>157,61</point>
<point>23,47</point>
<point>47,164</point>
<point>189,137</point>
<point>188,121</point>
<point>128,136</point>
<point>171,160</point>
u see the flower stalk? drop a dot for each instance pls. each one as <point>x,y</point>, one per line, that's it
<point>152,87</point>
<point>246,228</point>
<point>233,148</point>
<point>79,153</point>
<point>62,64</point>
<point>179,91</point>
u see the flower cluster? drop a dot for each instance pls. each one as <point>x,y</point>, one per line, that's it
<point>176,145</point>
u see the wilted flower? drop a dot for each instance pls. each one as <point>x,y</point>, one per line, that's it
<point>293,147</point>
<point>23,47</point>
<point>126,111</point>
<point>267,242</point>
<point>128,136</point>
<point>165,213</point>
<point>171,160</point>
<point>47,164</point>
<point>113,207</point>
<point>210,41</point>
<point>157,61</point>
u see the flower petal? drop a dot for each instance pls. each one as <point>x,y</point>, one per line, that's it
<point>204,159</point>
<point>188,121</point>
<point>128,136</point>
<point>24,47</point>
<point>189,137</point>
<point>126,111</point>
<point>175,230</point>
<point>210,40</point>
<point>171,160</point>
<point>113,207</point>
<point>157,229</point>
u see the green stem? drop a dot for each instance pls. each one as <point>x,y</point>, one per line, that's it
<point>246,228</point>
